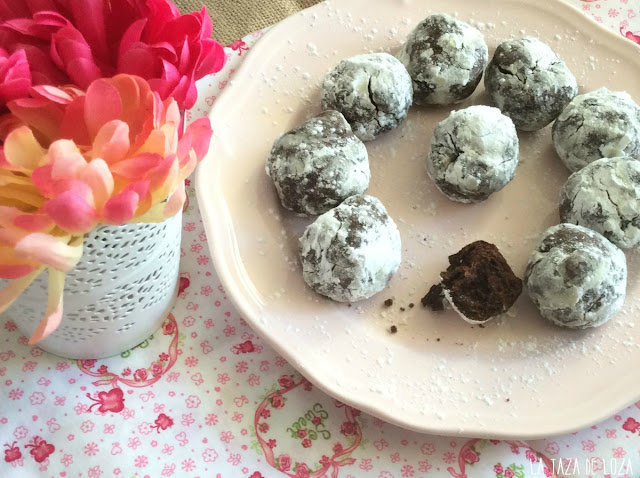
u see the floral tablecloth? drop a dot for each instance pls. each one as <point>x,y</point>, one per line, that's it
<point>206,397</point>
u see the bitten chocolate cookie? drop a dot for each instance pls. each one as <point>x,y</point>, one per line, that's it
<point>474,153</point>
<point>478,284</point>
<point>318,165</point>
<point>529,82</point>
<point>598,124</point>
<point>445,58</point>
<point>352,251</point>
<point>576,277</point>
<point>372,91</point>
<point>605,196</point>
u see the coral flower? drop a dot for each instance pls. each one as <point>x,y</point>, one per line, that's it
<point>112,155</point>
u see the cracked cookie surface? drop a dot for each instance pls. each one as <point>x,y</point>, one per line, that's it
<point>474,153</point>
<point>445,58</point>
<point>352,251</point>
<point>373,91</point>
<point>529,82</point>
<point>576,277</point>
<point>318,165</point>
<point>605,196</point>
<point>598,124</point>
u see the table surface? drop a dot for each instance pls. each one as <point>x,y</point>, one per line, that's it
<point>206,397</point>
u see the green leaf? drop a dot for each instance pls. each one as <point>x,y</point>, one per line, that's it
<point>255,445</point>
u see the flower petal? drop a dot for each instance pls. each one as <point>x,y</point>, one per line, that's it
<point>13,290</point>
<point>175,202</point>
<point>52,251</point>
<point>112,142</point>
<point>22,150</point>
<point>102,104</point>
<point>120,208</point>
<point>53,313</point>
<point>71,211</point>
<point>99,178</point>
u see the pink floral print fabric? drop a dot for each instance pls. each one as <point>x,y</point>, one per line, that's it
<point>206,397</point>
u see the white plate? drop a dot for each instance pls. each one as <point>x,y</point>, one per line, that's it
<point>518,376</point>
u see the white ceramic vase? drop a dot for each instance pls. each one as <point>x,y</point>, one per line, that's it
<point>116,297</point>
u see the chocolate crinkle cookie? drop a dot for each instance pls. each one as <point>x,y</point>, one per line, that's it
<point>372,91</point>
<point>605,196</point>
<point>576,277</point>
<point>318,165</point>
<point>445,58</point>
<point>474,153</point>
<point>598,124</point>
<point>352,251</point>
<point>478,284</point>
<point>529,82</point>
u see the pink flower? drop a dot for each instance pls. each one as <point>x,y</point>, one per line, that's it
<point>302,471</point>
<point>448,457</point>
<point>140,375</point>
<point>285,381</point>
<point>619,452</point>
<point>508,473</point>
<point>156,369</point>
<point>285,462</point>
<point>168,328</point>
<point>631,425</point>
<point>470,456</point>
<point>302,433</point>
<point>348,428</point>
<point>428,448</point>
<point>306,443</point>
<point>552,448</point>
<point>531,456</point>
<point>15,76</point>
<point>84,41</point>
<point>497,469</point>
<point>277,401</point>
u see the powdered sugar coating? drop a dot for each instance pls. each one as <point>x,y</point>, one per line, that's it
<point>352,251</point>
<point>576,277</point>
<point>474,153</point>
<point>318,165</point>
<point>605,196</point>
<point>372,91</point>
<point>529,82</point>
<point>445,58</point>
<point>598,124</point>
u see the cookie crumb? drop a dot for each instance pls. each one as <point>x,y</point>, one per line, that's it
<point>434,298</point>
<point>393,329</point>
<point>402,309</point>
<point>411,305</point>
<point>388,302</point>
